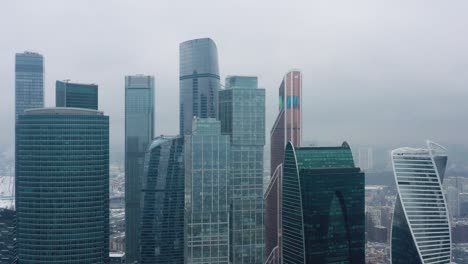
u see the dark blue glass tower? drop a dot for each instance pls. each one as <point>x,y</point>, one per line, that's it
<point>199,82</point>
<point>62,186</point>
<point>78,95</point>
<point>162,226</point>
<point>322,206</point>
<point>139,131</point>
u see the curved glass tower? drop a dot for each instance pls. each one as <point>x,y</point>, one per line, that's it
<point>162,228</point>
<point>322,206</point>
<point>420,228</point>
<point>199,82</point>
<point>62,186</point>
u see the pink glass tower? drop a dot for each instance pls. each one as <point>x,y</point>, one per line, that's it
<point>287,128</point>
<point>288,124</point>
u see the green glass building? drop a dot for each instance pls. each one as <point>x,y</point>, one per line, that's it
<point>207,155</point>
<point>62,186</point>
<point>77,95</point>
<point>242,116</point>
<point>322,206</point>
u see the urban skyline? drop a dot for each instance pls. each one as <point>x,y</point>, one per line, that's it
<point>221,190</point>
<point>235,97</point>
<point>373,71</point>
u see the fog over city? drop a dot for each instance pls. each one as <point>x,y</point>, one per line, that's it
<point>374,72</point>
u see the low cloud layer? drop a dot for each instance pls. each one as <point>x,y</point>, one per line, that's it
<point>375,72</point>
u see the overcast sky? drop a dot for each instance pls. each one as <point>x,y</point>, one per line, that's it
<point>374,72</point>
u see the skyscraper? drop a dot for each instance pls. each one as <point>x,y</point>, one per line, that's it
<point>77,95</point>
<point>62,186</point>
<point>288,124</point>
<point>207,156</point>
<point>162,228</point>
<point>7,235</point>
<point>242,116</point>
<point>322,215</point>
<point>199,82</point>
<point>273,218</point>
<point>420,227</point>
<point>139,132</point>
<point>287,128</point>
<point>29,82</point>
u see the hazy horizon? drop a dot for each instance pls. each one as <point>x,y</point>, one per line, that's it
<point>392,73</point>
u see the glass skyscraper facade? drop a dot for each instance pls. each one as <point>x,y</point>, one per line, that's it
<point>199,82</point>
<point>7,235</point>
<point>272,218</point>
<point>242,116</point>
<point>421,226</point>
<point>288,123</point>
<point>139,132</point>
<point>287,128</point>
<point>78,95</point>
<point>29,82</point>
<point>162,228</point>
<point>62,186</point>
<point>322,217</point>
<point>207,155</point>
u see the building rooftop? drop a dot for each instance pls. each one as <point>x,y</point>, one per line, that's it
<point>324,157</point>
<point>197,40</point>
<point>76,83</point>
<point>116,254</point>
<point>431,147</point>
<point>161,139</point>
<point>63,111</point>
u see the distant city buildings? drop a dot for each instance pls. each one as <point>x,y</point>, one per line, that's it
<point>116,258</point>
<point>162,226</point>
<point>460,232</point>
<point>366,158</point>
<point>379,210</point>
<point>242,117</point>
<point>322,204</point>
<point>139,132</point>
<point>62,186</point>
<point>207,172</point>
<point>198,197</point>
<point>455,190</point>
<point>199,82</point>
<point>421,227</point>
<point>78,95</point>
<point>29,82</point>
